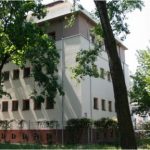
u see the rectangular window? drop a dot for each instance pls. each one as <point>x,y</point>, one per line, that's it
<point>110,106</point>
<point>6,75</point>
<point>102,73</point>
<point>92,38</point>
<point>52,35</point>
<point>37,105</point>
<point>14,105</point>
<point>24,136</point>
<point>26,104</point>
<point>103,105</point>
<point>95,101</point>
<point>16,74</point>
<point>108,76</point>
<point>26,72</point>
<point>4,106</point>
<point>49,104</point>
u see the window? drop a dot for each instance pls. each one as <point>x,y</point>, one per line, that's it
<point>103,105</point>
<point>26,72</point>
<point>102,73</point>
<point>37,105</point>
<point>108,76</point>
<point>26,104</point>
<point>24,136</point>
<point>16,74</point>
<point>49,138</point>
<point>13,136</point>
<point>92,38</point>
<point>14,105</point>
<point>6,75</point>
<point>95,103</point>
<point>4,106</point>
<point>3,136</point>
<point>110,106</point>
<point>52,35</point>
<point>49,104</point>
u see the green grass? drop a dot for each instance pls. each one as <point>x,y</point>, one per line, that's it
<point>29,146</point>
<point>142,144</point>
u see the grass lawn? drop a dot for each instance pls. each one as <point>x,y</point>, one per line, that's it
<point>142,144</point>
<point>27,146</point>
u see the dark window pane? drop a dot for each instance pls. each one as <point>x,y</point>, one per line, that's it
<point>95,100</point>
<point>52,35</point>
<point>102,73</point>
<point>103,105</point>
<point>14,105</point>
<point>26,104</point>
<point>49,104</point>
<point>26,72</point>
<point>16,74</point>
<point>4,106</point>
<point>109,105</point>
<point>6,75</point>
<point>37,105</point>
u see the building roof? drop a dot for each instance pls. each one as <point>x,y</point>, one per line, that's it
<point>61,8</point>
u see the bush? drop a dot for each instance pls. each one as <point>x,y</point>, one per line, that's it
<point>79,123</point>
<point>146,126</point>
<point>105,123</point>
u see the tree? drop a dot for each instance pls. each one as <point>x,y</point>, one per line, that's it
<point>112,17</point>
<point>21,41</point>
<point>140,91</point>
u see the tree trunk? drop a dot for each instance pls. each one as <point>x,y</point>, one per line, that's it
<point>127,137</point>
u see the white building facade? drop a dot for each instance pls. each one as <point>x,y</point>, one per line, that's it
<point>91,98</point>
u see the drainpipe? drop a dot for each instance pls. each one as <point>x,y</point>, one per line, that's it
<point>63,71</point>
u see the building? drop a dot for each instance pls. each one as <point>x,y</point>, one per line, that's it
<point>92,98</point>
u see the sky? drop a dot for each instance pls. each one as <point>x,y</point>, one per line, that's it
<point>139,26</point>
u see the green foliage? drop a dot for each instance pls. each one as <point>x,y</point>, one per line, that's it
<point>117,11</point>
<point>79,123</point>
<point>86,59</point>
<point>105,123</point>
<point>146,126</point>
<point>22,41</point>
<point>140,91</point>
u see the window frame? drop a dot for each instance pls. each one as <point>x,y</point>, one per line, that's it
<point>6,75</point>
<point>102,73</point>
<point>95,103</point>
<point>13,105</point>
<point>24,108</point>
<point>36,105</point>
<point>3,107</point>
<point>26,72</point>
<point>48,104</point>
<point>103,104</point>
<point>110,106</point>
<point>16,74</point>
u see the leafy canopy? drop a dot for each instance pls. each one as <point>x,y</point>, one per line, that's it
<point>140,91</point>
<point>23,41</point>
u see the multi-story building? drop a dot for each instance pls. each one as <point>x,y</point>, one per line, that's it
<point>92,97</point>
